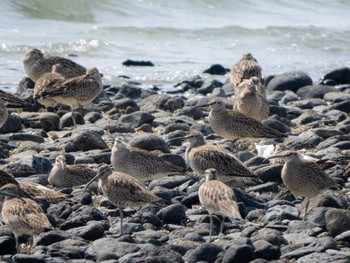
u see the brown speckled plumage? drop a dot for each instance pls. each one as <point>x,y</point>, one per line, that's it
<point>201,156</point>
<point>232,125</point>
<point>217,198</point>
<point>250,99</point>
<point>245,68</point>
<point>47,82</point>
<point>12,101</point>
<point>3,113</point>
<point>38,190</point>
<point>63,175</point>
<point>123,190</point>
<point>37,64</point>
<point>140,163</point>
<point>22,215</point>
<point>302,177</point>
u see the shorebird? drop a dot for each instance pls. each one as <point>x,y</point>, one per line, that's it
<point>63,175</point>
<point>201,156</point>
<point>217,198</point>
<point>12,101</point>
<point>250,99</point>
<point>141,163</point>
<point>123,190</point>
<point>302,177</point>
<point>76,91</point>
<point>233,125</point>
<point>245,68</point>
<point>36,190</point>
<point>47,82</point>
<point>37,64</point>
<point>22,215</point>
<point>3,113</point>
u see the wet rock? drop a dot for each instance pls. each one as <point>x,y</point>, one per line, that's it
<point>150,142</point>
<point>289,81</point>
<point>209,86</point>
<point>124,103</point>
<point>30,165</point>
<point>339,75</point>
<point>277,125</point>
<point>314,91</point>
<point>267,187</point>
<point>54,236</point>
<point>44,120</point>
<point>172,214</point>
<point>306,140</point>
<point>270,235</point>
<point>88,140</point>
<point>205,252</point>
<point>216,69</point>
<point>26,137</point>
<point>12,124</point>
<point>280,213</point>
<point>7,245</point>
<point>67,120</point>
<point>136,119</point>
<point>266,250</point>
<point>337,221</point>
<point>236,253</point>
<point>23,258</point>
<point>69,249</point>
<point>174,104</point>
<point>271,173</point>
<point>343,106</point>
<point>173,127</point>
<point>130,91</point>
<point>139,63</point>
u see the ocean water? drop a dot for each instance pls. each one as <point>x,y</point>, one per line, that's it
<point>182,37</point>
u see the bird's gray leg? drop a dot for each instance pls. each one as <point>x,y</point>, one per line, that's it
<point>221,227</point>
<point>306,207</point>
<point>121,215</point>
<point>211,226</point>
<point>73,118</point>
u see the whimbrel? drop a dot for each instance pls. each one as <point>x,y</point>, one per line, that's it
<point>141,163</point>
<point>217,198</point>
<point>76,91</point>
<point>302,177</point>
<point>232,125</point>
<point>63,175</point>
<point>22,215</point>
<point>37,190</point>
<point>201,156</point>
<point>47,82</point>
<point>245,68</point>
<point>3,113</point>
<point>37,64</point>
<point>123,190</point>
<point>250,99</point>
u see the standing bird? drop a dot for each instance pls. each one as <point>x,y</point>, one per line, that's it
<point>37,64</point>
<point>217,198</point>
<point>250,99</point>
<point>245,68</point>
<point>3,113</point>
<point>201,156</point>
<point>22,215</point>
<point>141,163</point>
<point>63,175</point>
<point>47,82</point>
<point>233,125</point>
<point>123,190</point>
<point>76,91</point>
<point>302,177</point>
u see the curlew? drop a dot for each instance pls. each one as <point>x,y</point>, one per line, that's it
<point>245,68</point>
<point>37,64</point>
<point>201,156</point>
<point>47,82</point>
<point>63,175</point>
<point>76,91</point>
<point>22,215</point>
<point>3,113</point>
<point>123,190</point>
<point>217,198</point>
<point>250,99</point>
<point>302,177</point>
<point>141,163</point>
<point>36,190</point>
<point>233,125</point>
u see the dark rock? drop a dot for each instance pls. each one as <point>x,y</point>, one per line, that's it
<point>218,92</point>
<point>277,125</point>
<point>318,216</point>
<point>216,69</point>
<point>124,103</point>
<point>170,182</point>
<point>88,140</point>
<point>173,127</point>
<point>236,253</point>
<point>336,97</point>
<point>139,63</point>
<point>54,236</point>
<point>289,81</point>
<point>172,214</point>
<point>195,113</point>
<point>266,187</point>
<point>67,120</point>
<point>174,104</point>
<point>339,75</point>
<point>176,159</point>
<point>107,245</point>
<point>12,124</point>
<point>129,91</point>
<point>266,250</point>
<point>145,128</point>
<point>136,119</point>
<point>92,231</point>
<point>156,101</point>
<point>190,200</point>
<point>280,213</point>
<point>7,245</point>
<point>150,142</point>
<point>314,91</point>
<point>26,137</point>
<point>209,86</point>
<point>43,120</point>
<point>30,165</point>
<point>23,258</point>
<point>279,110</point>
<point>69,249</point>
<point>205,252</point>
<point>307,140</point>
<point>271,173</point>
<point>270,235</point>
<point>337,221</point>
<point>247,199</point>
<point>329,256</point>
<point>81,216</point>
<point>343,106</point>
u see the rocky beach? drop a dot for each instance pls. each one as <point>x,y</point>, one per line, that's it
<point>314,113</point>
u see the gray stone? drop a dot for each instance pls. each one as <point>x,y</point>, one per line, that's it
<point>12,124</point>
<point>89,140</point>
<point>289,81</point>
<point>337,221</point>
<point>136,119</point>
<point>280,213</point>
<point>270,173</point>
<point>236,253</point>
<point>339,75</point>
<point>48,121</point>
<point>150,142</point>
<point>314,91</point>
<point>206,252</point>
<point>30,165</point>
<point>272,236</point>
<point>172,214</point>
<point>266,250</point>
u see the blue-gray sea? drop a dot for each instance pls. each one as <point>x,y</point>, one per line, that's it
<point>181,37</point>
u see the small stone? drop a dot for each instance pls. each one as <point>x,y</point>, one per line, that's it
<point>206,252</point>
<point>216,69</point>
<point>337,221</point>
<point>138,63</point>
<point>236,253</point>
<point>172,214</point>
<point>88,140</point>
<point>136,119</point>
<point>150,142</point>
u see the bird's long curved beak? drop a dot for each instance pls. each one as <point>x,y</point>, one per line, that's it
<point>90,182</point>
<point>176,139</point>
<point>275,156</point>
